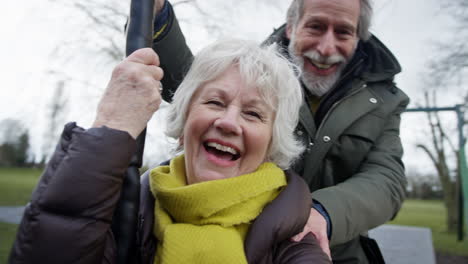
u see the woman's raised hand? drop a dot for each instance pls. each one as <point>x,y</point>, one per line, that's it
<point>133,93</point>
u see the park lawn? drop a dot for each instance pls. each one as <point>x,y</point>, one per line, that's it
<point>7,236</point>
<point>431,214</point>
<point>17,184</point>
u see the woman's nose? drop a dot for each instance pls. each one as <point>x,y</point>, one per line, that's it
<point>228,122</point>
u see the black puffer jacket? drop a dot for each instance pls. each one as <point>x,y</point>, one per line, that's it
<point>69,217</point>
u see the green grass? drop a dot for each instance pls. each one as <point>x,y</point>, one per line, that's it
<point>7,235</point>
<point>16,185</point>
<point>431,214</point>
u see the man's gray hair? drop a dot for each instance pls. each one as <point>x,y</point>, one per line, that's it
<point>262,68</point>
<point>296,9</point>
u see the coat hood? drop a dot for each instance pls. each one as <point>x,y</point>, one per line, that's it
<point>380,63</point>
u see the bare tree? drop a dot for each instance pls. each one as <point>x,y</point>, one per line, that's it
<point>100,32</point>
<point>447,70</point>
<point>104,22</point>
<point>219,18</point>
<point>423,185</point>
<point>103,30</point>
<point>57,110</point>
<point>451,62</point>
<point>440,150</point>
<point>14,143</point>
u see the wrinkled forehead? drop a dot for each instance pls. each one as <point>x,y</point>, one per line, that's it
<point>253,84</point>
<point>344,11</point>
<point>262,82</point>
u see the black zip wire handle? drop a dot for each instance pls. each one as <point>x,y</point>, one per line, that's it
<point>125,220</point>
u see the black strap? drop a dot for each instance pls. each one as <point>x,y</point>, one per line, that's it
<point>372,250</point>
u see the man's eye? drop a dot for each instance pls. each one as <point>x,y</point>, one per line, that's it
<point>315,26</point>
<point>344,33</point>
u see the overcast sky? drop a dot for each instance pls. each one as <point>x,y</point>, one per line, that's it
<point>32,30</point>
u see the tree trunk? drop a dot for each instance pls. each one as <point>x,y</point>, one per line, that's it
<point>450,201</point>
<point>448,186</point>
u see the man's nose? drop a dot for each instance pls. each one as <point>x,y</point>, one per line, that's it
<point>228,122</point>
<point>327,44</point>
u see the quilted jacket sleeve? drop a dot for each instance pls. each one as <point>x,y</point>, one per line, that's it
<point>306,251</point>
<point>68,218</point>
<point>269,236</point>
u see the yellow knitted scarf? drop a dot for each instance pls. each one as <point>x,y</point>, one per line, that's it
<point>207,222</point>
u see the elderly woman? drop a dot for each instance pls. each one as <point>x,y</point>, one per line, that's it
<point>226,199</point>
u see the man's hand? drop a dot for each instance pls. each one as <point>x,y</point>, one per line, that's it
<point>158,5</point>
<point>132,95</point>
<point>317,225</point>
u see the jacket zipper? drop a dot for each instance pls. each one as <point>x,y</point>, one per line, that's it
<point>339,101</point>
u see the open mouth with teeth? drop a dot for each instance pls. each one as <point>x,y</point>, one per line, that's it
<point>321,66</point>
<point>222,152</point>
<point>322,69</point>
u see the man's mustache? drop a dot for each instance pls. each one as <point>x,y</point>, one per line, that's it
<point>316,57</point>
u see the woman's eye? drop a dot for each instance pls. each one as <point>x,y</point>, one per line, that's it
<point>255,115</point>
<point>214,102</point>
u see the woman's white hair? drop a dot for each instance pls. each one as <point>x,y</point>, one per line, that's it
<point>263,68</point>
<point>296,9</point>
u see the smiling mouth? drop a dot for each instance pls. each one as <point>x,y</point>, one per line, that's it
<point>221,152</point>
<point>321,66</point>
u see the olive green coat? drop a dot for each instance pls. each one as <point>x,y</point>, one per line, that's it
<point>353,159</point>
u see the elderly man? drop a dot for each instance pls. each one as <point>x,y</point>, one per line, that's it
<point>349,119</point>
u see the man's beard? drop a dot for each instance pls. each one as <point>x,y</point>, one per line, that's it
<point>317,85</point>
